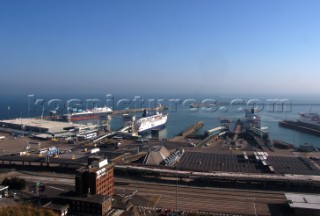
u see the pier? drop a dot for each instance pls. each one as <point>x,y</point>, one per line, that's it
<point>206,140</point>
<point>192,129</point>
<point>188,131</point>
<point>212,134</point>
<point>237,130</point>
<point>282,145</point>
<point>295,126</point>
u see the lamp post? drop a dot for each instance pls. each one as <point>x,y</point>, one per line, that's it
<point>176,187</point>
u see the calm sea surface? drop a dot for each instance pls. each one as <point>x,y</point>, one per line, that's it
<point>180,115</point>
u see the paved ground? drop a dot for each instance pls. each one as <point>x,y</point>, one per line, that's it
<point>14,145</point>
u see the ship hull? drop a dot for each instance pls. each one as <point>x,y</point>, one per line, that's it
<point>146,131</point>
<point>86,117</point>
<point>95,113</point>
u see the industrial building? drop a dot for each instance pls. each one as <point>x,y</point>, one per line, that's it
<point>40,126</point>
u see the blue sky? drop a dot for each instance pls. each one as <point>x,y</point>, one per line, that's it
<point>165,46</point>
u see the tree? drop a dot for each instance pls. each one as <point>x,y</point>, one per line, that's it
<point>15,183</point>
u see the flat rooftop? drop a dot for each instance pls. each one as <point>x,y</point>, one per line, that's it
<point>41,124</point>
<point>304,201</point>
<point>98,199</point>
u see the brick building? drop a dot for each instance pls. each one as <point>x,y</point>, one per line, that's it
<point>94,205</point>
<point>95,179</point>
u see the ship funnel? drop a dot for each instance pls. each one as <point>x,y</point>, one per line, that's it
<point>144,113</point>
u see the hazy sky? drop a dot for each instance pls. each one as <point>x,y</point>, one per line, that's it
<point>164,46</point>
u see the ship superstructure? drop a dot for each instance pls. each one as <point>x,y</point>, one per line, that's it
<point>310,120</point>
<point>252,120</point>
<point>147,123</point>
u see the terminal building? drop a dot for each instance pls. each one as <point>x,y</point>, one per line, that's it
<point>95,179</point>
<point>41,128</point>
<point>38,125</point>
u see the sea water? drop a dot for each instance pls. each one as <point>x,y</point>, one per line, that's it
<point>180,115</point>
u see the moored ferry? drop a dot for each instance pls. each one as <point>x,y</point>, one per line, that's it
<point>310,120</point>
<point>94,113</point>
<point>147,123</point>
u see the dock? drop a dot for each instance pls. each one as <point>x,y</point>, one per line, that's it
<point>188,131</point>
<point>212,134</point>
<point>206,140</point>
<point>237,130</point>
<point>282,145</point>
<point>295,126</point>
<point>192,129</point>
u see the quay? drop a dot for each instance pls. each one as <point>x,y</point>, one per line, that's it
<point>188,131</point>
<point>295,126</point>
<point>206,140</point>
<point>237,130</point>
<point>282,145</point>
<point>192,129</point>
<point>212,134</point>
